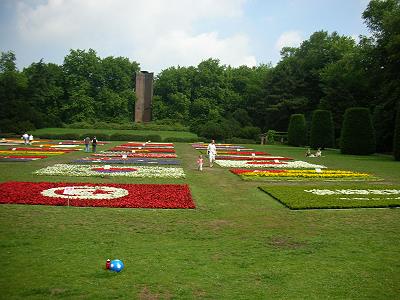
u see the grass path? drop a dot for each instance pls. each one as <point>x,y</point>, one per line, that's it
<point>238,244</point>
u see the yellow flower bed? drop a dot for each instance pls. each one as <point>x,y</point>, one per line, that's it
<point>20,152</point>
<point>306,174</point>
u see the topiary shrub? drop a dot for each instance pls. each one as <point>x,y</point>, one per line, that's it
<point>322,131</point>
<point>181,139</point>
<point>396,140</point>
<point>357,136</point>
<point>297,133</point>
<point>99,136</point>
<point>59,136</point>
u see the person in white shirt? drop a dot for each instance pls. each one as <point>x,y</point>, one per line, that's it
<point>30,139</point>
<point>25,137</point>
<point>212,152</point>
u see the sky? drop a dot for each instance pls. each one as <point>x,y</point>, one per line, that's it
<point>162,33</point>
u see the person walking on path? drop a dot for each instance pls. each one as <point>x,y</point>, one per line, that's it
<point>25,137</point>
<point>200,163</point>
<point>30,139</point>
<point>94,144</point>
<point>212,152</point>
<point>87,143</point>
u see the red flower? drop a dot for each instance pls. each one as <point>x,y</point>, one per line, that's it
<point>97,195</point>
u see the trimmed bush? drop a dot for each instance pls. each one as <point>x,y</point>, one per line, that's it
<point>322,131</point>
<point>135,137</point>
<point>100,136</point>
<point>357,136</point>
<point>297,133</point>
<point>396,140</point>
<point>183,140</point>
<point>58,136</point>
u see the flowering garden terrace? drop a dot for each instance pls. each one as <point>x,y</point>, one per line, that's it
<point>97,195</point>
<point>189,234</point>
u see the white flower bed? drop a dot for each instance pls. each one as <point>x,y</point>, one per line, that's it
<point>352,192</point>
<point>287,165</point>
<point>86,171</point>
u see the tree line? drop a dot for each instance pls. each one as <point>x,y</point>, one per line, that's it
<point>328,71</point>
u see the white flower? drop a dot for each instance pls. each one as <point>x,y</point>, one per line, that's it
<point>87,171</point>
<point>287,165</point>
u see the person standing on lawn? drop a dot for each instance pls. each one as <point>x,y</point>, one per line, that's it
<point>212,152</point>
<point>94,144</point>
<point>87,143</point>
<point>200,163</point>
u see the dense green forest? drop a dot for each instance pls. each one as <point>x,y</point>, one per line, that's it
<point>328,71</point>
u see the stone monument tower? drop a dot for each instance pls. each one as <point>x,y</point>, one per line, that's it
<point>144,96</point>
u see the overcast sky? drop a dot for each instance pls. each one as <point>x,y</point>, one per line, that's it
<point>163,33</point>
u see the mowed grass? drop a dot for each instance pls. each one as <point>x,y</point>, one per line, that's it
<point>238,243</point>
<point>162,133</point>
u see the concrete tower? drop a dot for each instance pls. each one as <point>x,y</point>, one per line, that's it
<point>144,96</point>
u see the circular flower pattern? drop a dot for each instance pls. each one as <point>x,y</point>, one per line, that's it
<point>86,192</point>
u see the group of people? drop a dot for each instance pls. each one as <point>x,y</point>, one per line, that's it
<point>89,141</point>
<point>317,154</point>
<point>28,138</point>
<point>211,153</point>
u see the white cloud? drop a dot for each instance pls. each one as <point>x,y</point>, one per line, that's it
<point>289,39</point>
<point>156,33</point>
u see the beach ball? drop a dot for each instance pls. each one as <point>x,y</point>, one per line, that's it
<point>116,265</point>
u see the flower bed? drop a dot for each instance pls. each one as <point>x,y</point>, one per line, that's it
<point>245,153</point>
<point>143,150</point>
<point>248,158</point>
<point>90,170</point>
<point>141,161</point>
<point>129,154</point>
<point>11,152</point>
<point>10,159</point>
<point>41,149</point>
<point>97,195</point>
<point>290,164</point>
<point>312,197</point>
<point>301,174</point>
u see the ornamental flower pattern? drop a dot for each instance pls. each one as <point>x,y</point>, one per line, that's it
<point>287,164</point>
<point>281,173</point>
<point>97,195</point>
<point>98,171</point>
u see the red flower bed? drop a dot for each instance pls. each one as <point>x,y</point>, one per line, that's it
<point>144,155</point>
<point>42,149</point>
<point>97,195</point>
<point>24,156</point>
<point>244,152</point>
<point>265,163</point>
<point>133,144</point>
<point>258,158</point>
<point>154,150</point>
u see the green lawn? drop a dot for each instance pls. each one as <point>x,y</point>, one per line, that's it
<point>239,243</point>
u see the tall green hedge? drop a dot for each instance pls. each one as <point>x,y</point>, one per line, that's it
<point>396,141</point>
<point>357,136</point>
<point>322,132</point>
<point>297,132</point>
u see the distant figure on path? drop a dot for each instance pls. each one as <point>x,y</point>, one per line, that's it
<point>94,144</point>
<point>30,139</point>
<point>318,153</point>
<point>25,137</point>
<point>200,163</point>
<point>212,152</point>
<point>87,143</point>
